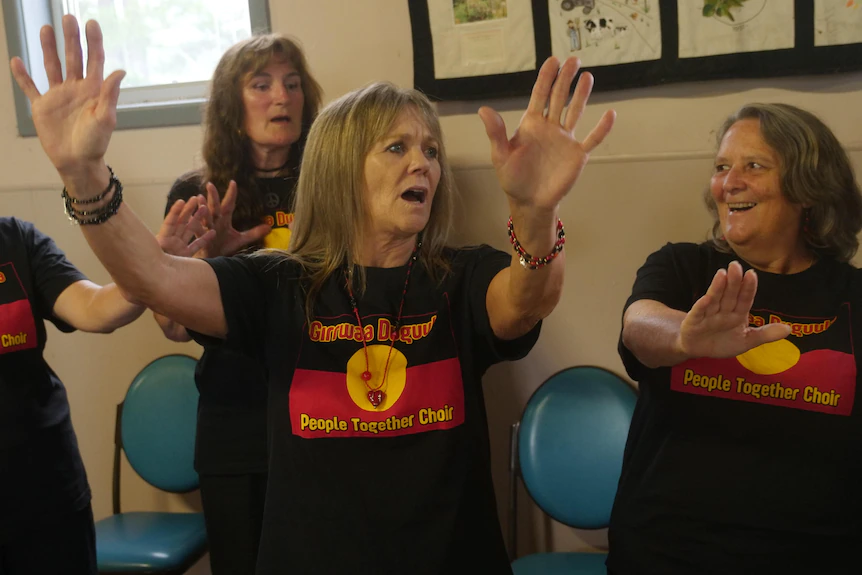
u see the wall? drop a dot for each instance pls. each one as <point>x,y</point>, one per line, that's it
<point>641,189</point>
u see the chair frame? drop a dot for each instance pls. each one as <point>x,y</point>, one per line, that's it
<point>115,492</point>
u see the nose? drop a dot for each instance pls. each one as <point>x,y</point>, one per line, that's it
<point>280,93</point>
<point>733,180</point>
<point>419,162</point>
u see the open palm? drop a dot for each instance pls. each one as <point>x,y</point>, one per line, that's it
<point>543,159</point>
<point>76,116</point>
<point>717,325</point>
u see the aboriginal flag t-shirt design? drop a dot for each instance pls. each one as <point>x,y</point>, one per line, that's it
<point>422,390</point>
<point>17,326</point>
<point>813,369</point>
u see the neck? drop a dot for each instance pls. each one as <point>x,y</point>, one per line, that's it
<point>387,252</point>
<point>776,260</point>
<point>269,161</point>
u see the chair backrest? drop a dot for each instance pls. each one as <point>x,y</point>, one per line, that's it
<point>158,423</point>
<point>570,444</point>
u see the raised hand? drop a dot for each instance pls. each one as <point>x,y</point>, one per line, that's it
<point>186,220</point>
<point>717,325</point>
<point>75,118</point>
<point>228,240</point>
<point>539,164</point>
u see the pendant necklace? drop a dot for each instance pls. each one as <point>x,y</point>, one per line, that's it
<point>376,395</point>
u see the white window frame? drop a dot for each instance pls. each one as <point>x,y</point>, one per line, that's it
<point>129,115</point>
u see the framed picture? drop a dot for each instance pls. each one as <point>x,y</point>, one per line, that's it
<point>470,49</point>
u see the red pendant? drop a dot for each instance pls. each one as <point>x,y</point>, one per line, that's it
<point>376,397</point>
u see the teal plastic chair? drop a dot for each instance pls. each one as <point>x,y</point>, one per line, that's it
<point>568,451</point>
<point>156,429</point>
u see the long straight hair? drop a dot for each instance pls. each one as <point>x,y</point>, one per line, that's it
<point>330,211</point>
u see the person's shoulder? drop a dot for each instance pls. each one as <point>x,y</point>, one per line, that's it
<point>271,261</point>
<point>12,228</point>
<point>690,252</point>
<point>466,254</point>
<point>11,223</point>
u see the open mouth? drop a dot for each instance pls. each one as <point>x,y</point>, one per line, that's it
<point>415,195</point>
<point>281,120</point>
<point>740,206</point>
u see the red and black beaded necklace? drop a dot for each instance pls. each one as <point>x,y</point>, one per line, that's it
<point>376,395</point>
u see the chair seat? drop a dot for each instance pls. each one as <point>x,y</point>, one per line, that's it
<point>561,563</point>
<point>149,541</point>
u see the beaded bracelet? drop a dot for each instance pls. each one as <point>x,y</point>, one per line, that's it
<point>70,200</point>
<point>533,263</point>
<point>100,215</point>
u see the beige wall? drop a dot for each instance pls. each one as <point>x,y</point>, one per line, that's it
<point>641,189</point>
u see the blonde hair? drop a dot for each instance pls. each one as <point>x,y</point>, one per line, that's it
<point>330,212</point>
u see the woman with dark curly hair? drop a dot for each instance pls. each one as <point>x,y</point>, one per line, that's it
<point>743,452</point>
<point>262,101</point>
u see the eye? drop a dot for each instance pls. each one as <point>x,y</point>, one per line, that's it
<point>755,165</point>
<point>260,87</point>
<point>293,86</point>
<point>397,148</point>
<point>721,168</point>
<point>432,152</point>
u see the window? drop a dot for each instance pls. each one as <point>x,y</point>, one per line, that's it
<point>169,49</point>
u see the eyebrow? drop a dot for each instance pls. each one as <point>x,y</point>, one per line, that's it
<point>409,136</point>
<point>753,158</point>
<point>268,75</point>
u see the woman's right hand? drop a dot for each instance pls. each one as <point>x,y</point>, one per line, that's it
<point>75,118</point>
<point>717,325</point>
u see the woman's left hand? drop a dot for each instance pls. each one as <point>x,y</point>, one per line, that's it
<point>187,228</point>
<point>541,162</point>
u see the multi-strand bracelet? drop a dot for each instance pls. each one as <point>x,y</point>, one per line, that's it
<point>531,262</point>
<point>98,215</point>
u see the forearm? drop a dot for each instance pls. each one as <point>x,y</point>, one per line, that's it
<point>108,310</point>
<point>651,332</point>
<point>172,330</point>
<point>530,294</point>
<point>123,244</point>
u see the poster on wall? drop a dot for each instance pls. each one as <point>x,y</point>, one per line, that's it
<point>732,26</point>
<point>604,32</point>
<point>627,43</point>
<point>481,37</point>
<point>837,22</point>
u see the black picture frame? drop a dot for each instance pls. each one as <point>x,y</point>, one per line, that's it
<point>803,59</point>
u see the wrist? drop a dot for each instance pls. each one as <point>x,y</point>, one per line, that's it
<point>85,180</point>
<point>535,228</point>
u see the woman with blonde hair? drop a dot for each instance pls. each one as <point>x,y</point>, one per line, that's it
<point>262,102</point>
<point>373,332</point>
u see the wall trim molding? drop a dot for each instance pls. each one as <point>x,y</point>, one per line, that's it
<point>53,185</point>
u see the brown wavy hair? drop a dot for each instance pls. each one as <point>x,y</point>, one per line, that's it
<point>814,171</point>
<point>226,148</point>
<point>327,232</point>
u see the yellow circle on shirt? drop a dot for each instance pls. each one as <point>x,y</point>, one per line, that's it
<point>770,358</point>
<point>396,376</point>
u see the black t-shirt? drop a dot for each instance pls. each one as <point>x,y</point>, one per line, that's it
<point>405,488</point>
<point>40,467</point>
<point>749,464</point>
<point>231,430</point>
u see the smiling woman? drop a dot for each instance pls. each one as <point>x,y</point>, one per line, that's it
<point>765,424</point>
